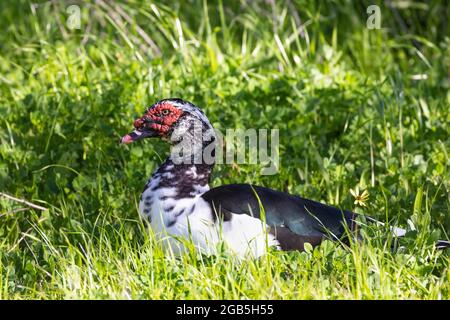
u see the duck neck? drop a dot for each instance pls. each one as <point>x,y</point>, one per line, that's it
<point>187,171</point>
<point>188,168</point>
<point>186,180</point>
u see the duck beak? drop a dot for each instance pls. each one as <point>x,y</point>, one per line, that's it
<point>137,135</point>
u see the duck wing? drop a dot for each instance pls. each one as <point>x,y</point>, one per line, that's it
<point>293,220</point>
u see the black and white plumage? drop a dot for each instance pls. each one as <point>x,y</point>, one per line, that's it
<point>178,202</point>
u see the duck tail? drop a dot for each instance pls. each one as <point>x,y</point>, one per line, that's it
<point>442,244</point>
<point>400,232</point>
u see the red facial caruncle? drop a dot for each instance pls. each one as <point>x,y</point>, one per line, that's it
<point>160,118</point>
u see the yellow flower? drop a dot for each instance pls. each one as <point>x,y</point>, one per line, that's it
<point>360,199</point>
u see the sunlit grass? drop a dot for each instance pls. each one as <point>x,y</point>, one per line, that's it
<point>355,108</point>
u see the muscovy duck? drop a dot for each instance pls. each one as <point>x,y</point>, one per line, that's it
<point>178,202</point>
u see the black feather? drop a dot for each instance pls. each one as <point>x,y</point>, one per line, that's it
<point>295,220</point>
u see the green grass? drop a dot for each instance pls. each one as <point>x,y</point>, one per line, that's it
<point>355,107</point>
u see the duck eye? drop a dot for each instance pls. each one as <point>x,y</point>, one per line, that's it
<point>165,112</point>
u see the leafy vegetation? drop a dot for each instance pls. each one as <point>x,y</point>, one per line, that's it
<point>356,107</point>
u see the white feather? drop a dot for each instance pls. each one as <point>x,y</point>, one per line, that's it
<point>243,235</point>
